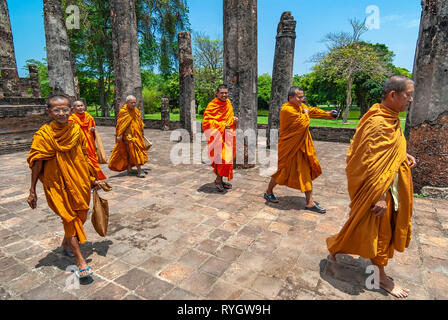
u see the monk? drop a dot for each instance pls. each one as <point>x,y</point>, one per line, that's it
<point>87,124</point>
<point>130,148</point>
<point>297,162</point>
<point>219,125</point>
<point>59,159</point>
<point>380,185</point>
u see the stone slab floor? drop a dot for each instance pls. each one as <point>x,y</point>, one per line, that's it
<point>172,236</point>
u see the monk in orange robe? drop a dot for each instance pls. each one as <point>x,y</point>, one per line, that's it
<point>87,124</point>
<point>297,162</point>
<point>59,159</point>
<point>130,148</point>
<point>380,185</point>
<point>219,125</point>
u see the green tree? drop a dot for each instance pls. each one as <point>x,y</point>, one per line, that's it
<point>208,68</point>
<point>264,91</point>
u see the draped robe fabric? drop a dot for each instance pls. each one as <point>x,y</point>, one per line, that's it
<point>86,122</point>
<point>297,160</point>
<point>221,142</point>
<point>67,173</point>
<point>376,154</point>
<point>131,150</point>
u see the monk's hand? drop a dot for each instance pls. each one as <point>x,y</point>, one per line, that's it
<point>95,185</point>
<point>411,161</point>
<point>32,199</point>
<point>379,208</point>
<point>92,129</point>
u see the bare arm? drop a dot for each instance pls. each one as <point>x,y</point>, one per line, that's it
<point>35,172</point>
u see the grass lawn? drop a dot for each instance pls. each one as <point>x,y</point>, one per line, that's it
<point>353,118</point>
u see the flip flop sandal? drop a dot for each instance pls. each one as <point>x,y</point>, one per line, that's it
<point>141,175</point>
<point>316,208</point>
<point>69,253</point>
<point>77,273</point>
<point>227,185</point>
<point>270,198</point>
<point>219,186</point>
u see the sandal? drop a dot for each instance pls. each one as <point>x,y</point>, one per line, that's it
<point>77,273</point>
<point>141,174</point>
<point>270,198</point>
<point>219,186</point>
<point>132,173</point>
<point>316,208</point>
<point>69,253</point>
<point>226,185</point>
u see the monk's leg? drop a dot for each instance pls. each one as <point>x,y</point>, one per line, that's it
<point>79,259</point>
<point>271,186</point>
<point>66,247</point>
<point>390,286</point>
<point>385,251</point>
<point>309,199</point>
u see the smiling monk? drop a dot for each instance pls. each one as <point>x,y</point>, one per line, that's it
<point>87,124</point>
<point>380,185</point>
<point>58,157</point>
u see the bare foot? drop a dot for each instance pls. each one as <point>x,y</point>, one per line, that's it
<point>387,284</point>
<point>331,257</point>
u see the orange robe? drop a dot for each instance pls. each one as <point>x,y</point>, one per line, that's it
<point>376,154</point>
<point>86,122</point>
<point>67,173</point>
<point>221,142</point>
<point>297,161</point>
<point>131,150</point>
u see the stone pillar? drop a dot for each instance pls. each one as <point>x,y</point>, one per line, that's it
<point>8,65</point>
<point>61,63</point>
<point>127,74</point>
<point>187,101</point>
<point>241,66</point>
<point>427,123</point>
<point>165,112</point>
<point>283,69</point>
<point>34,81</point>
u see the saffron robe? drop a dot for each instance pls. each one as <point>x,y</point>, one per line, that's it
<point>297,160</point>
<point>67,173</point>
<point>131,150</point>
<point>221,142</point>
<point>375,157</point>
<point>86,122</point>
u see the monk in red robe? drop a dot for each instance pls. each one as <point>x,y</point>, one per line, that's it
<point>219,125</point>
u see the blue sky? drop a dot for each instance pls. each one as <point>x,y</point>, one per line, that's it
<point>398,29</point>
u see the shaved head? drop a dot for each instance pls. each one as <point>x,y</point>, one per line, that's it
<point>397,83</point>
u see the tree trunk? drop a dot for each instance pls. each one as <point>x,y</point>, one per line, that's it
<point>349,99</point>
<point>126,55</point>
<point>427,123</point>
<point>61,63</point>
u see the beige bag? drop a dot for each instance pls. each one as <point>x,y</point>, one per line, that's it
<point>102,159</point>
<point>148,143</point>
<point>100,212</point>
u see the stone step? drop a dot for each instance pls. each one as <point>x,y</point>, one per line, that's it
<point>22,101</point>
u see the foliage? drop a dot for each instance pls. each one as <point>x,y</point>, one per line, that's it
<point>208,68</point>
<point>264,91</point>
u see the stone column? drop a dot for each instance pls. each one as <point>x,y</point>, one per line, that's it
<point>186,84</point>
<point>34,81</point>
<point>61,63</point>
<point>126,55</point>
<point>427,123</point>
<point>283,69</point>
<point>165,112</point>
<point>241,66</point>
<point>8,65</point>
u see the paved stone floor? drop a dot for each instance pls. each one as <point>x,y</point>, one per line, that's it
<point>172,236</point>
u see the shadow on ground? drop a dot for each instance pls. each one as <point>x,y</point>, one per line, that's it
<point>348,275</point>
